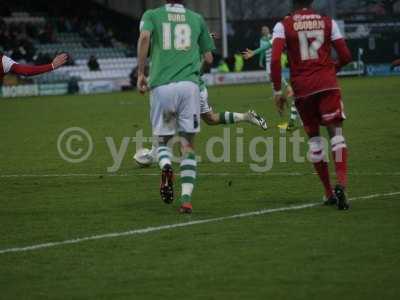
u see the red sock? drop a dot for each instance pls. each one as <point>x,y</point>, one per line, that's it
<point>340,159</point>
<point>323,173</point>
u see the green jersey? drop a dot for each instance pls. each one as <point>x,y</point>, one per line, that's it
<point>178,35</point>
<point>265,50</point>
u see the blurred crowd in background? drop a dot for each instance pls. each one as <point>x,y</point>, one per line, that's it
<point>99,26</point>
<point>17,40</point>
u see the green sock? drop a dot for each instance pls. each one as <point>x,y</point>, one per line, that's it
<point>232,118</point>
<point>163,156</point>
<point>293,113</point>
<point>188,176</point>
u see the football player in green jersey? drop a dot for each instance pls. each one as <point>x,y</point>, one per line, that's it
<point>265,53</point>
<point>176,35</point>
<point>214,118</point>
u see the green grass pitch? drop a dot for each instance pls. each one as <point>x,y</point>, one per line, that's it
<point>314,253</point>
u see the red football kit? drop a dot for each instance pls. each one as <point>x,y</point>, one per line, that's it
<point>308,38</point>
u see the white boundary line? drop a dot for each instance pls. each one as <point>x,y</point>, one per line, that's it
<point>288,174</point>
<point>179,225</point>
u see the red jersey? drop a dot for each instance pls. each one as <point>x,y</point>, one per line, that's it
<point>309,37</point>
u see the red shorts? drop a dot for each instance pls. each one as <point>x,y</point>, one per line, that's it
<point>321,109</point>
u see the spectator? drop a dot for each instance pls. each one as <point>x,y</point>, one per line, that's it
<point>61,24</point>
<point>93,64</point>
<point>46,34</point>
<point>223,67</point>
<point>99,29</point>
<point>239,62</point>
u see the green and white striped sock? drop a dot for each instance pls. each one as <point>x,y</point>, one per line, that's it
<point>293,113</point>
<point>285,84</point>
<point>188,176</point>
<point>232,118</point>
<point>163,156</point>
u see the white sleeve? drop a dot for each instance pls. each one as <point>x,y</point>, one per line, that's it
<point>7,64</point>
<point>336,34</point>
<point>279,32</point>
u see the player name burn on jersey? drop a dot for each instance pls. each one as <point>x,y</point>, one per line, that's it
<point>176,18</point>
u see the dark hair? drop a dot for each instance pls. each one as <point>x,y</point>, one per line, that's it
<point>175,1</point>
<point>304,3</point>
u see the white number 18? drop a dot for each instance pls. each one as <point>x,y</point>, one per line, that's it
<point>310,50</point>
<point>182,37</point>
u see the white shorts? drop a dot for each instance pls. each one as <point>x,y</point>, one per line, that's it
<point>175,108</point>
<point>204,106</point>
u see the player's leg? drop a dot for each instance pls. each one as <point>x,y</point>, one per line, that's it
<point>308,110</point>
<point>339,152</point>
<point>332,112</point>
<point>164,157</point>
<point>213,119</point>
<point>163,119</point>
<point>250,117</point>
<point>207,115</point>
<point>188,169</point>
<point>284,125</point>
<point>188,126</point>
<point>293,117</point>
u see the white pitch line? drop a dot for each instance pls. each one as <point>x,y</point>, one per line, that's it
<point>179,225</point>
<point>288,174</point>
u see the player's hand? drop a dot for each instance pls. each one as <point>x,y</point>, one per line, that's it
<point>280,102</point>
<point>248,54</point>
<point>142,84</point>
<point>60,60</point>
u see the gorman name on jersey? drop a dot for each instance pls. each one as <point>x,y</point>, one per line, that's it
<point>309,25</point>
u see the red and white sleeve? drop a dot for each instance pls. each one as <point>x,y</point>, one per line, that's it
<point>7,63</point>
<point>340,45</point>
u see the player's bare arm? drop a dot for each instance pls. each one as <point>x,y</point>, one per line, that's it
<point>28,70</point>
<point>208,58</point>
<point>248,54</point>
<point>143,52</point>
